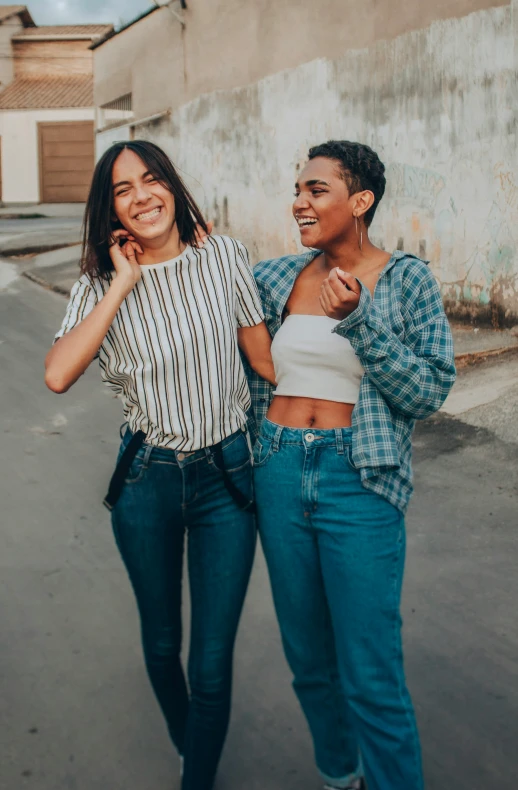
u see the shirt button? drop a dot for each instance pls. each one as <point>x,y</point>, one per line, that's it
<point>181,456</point>
<point>310,437</point>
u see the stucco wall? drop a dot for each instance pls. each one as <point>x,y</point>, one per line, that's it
<point>231,43</point>
<point>103,140</point>
<point>438,103</point>
<point>20,152</point>
<point>145,60</point>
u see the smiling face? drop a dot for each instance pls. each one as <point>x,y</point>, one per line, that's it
<point>323,207</point>
<point>142,204</point>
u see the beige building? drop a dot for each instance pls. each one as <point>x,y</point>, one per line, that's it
<point>237,90</point>
<point>46,109</point>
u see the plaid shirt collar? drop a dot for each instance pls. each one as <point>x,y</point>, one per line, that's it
<point>280,280</point>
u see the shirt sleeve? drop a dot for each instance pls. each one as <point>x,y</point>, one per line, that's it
<point>249,311</point>
<point>83,299</point>
<point>414,376</point>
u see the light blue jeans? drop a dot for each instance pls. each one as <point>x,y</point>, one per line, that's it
<point>336,554</point>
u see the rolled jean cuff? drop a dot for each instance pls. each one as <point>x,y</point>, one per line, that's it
<point>343,782</point>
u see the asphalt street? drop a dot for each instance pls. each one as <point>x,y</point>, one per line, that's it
<point>76,711</point>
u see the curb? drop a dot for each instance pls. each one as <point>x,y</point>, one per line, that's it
<point>45,284</point>
<point>475,357</point>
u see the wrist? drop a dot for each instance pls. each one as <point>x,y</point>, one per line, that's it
<point>121,287</point>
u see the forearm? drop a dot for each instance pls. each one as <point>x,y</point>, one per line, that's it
<point>414,385</point>
<point>264,368</point>
<point>255,343</point>
<point>415,379</point>
<point>70,356</point>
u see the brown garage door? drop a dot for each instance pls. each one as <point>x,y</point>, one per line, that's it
<point>66,161</point>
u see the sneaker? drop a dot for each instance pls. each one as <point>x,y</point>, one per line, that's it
<point>358,784</point>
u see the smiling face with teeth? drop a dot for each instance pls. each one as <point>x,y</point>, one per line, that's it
<point>142,204</point>
<point>323,208</point>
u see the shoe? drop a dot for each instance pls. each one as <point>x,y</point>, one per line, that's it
<point>358,784</point>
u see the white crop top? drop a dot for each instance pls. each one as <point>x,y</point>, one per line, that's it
<point>312,361</point>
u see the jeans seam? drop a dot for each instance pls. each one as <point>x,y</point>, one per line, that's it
<point>411,723</point>
<point>335,680</point>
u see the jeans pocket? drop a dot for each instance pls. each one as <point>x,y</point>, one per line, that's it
<point>236,453</point>
<point>137,468</point>
<point>262,451</point>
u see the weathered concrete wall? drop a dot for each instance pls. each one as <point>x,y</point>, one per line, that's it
<point>438,103</point>
<point>231,43</point>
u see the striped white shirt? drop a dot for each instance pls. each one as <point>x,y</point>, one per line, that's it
<point>171,353</point>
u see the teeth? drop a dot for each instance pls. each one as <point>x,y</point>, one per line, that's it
<point>306,221</point>
<point>148,214</point>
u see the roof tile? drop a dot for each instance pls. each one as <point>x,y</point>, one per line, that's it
<point>48,92</point>
<point>8,10</point>
<point>64,30</point>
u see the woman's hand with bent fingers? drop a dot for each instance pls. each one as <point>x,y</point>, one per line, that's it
<point>127,268</point>
<point>340,294</point>
<point>201,235</point>
<point>71,355</point>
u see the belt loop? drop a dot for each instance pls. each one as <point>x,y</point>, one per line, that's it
<point>147,455</point>
<point>339,441</point>
<point>277,438</point>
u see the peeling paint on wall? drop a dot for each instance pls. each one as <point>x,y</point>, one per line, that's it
<point>440,107</point>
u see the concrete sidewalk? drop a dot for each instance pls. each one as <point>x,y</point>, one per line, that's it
<point>18,211</point>
<point>475,344</point>
<point>57,270</point>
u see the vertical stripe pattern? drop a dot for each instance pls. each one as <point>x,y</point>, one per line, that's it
<point>171,353</point>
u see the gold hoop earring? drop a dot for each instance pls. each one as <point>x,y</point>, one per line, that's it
<point>359,235</point>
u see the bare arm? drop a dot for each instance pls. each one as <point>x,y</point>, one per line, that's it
<point>68,359</point>
<point>255,343</point>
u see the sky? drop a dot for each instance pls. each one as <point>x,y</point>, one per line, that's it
<point>67,12</point>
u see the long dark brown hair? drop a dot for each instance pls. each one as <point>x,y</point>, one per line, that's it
<point>100,220</point>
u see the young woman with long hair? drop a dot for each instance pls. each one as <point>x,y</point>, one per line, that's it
<point>362,349</point>
<point>165,319</point>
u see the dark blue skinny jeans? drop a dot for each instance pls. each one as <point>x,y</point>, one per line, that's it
<point>166,494</point>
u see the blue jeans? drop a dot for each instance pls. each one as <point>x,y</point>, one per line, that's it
<point>165,494</point>
<point>335,553</point>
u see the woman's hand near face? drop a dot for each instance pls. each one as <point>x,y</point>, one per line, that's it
<point>127,268</point>
<point>68,359</point>
<point>201,235</point>
<point>340,294</point>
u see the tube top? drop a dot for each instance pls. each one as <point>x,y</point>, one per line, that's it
<point>312,361</point>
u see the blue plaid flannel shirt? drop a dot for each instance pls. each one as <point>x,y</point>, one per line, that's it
<point>403,340</point>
